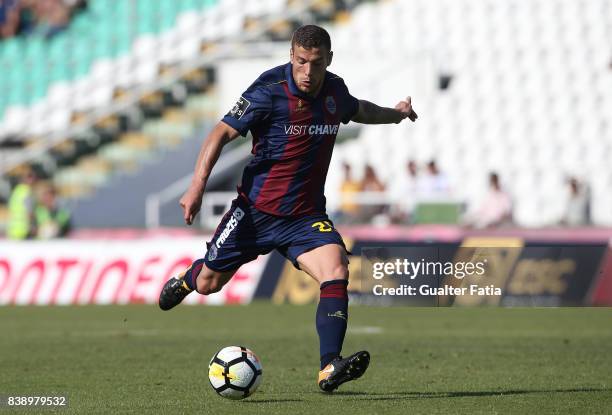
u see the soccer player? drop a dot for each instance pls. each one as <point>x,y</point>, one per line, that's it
<point>293,112</point>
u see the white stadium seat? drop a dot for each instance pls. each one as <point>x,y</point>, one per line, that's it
<point>530,94</point>
<point>15,119</point>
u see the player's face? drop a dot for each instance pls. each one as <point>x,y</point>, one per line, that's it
<point>309,67</point>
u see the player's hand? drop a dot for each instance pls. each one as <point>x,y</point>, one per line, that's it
<point>191,202</point>
<point>405,108</point>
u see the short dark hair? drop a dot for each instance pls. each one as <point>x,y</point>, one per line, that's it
<point>311,36</point>
<point>494,177</point>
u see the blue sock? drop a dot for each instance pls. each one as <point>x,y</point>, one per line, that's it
<point>191,273</point>
<point>332,315</point>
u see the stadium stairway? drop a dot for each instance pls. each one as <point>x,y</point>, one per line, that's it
<point>121,201</point>
<point>132,148</point>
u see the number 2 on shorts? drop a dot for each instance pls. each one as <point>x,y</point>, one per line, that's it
<point>324,226</point>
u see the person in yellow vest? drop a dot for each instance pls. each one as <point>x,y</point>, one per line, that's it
<point>21,224</point>
<point>52,219</point>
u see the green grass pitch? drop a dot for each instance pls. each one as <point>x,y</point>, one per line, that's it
<point>138,359</point>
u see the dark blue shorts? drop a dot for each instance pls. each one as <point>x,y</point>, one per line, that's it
<point>245,232</point>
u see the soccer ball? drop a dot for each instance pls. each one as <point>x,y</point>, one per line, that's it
<point>234,372</point>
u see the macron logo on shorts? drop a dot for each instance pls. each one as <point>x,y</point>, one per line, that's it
<point>230,226</point>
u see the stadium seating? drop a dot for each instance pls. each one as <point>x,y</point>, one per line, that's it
<point>529,92</point>
<point>108,48</point>
<point>529,96</point>
<point>107,29</point>
<point>106,52</point>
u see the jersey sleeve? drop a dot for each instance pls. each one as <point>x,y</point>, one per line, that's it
<point>350,104</point>
<point>251,108</point>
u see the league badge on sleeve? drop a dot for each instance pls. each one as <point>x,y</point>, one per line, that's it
<point>212,252</point>
<point>240,108</point>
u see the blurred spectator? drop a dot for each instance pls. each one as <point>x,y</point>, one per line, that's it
<point>496,208</point>
<point>52,16</point>
<point>405,192</point>
<point>21,224</point>
<point>434,184</point>
<point>52,219</point>
<point>42,17</point>
<point>9,18</point>
<point>371,183</point>
<point>75,5</point>
<point>26,22</point>
<point>577,209</point>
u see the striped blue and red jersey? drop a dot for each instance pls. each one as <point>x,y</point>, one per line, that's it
<point>293,140</point>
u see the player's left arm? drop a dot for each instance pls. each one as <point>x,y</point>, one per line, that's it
<point>370,113</point>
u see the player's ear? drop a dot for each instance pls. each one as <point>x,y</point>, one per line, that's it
<point>330,57</point>
<point>291,54</point>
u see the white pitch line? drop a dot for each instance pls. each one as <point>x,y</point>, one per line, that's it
<point>365,330</point>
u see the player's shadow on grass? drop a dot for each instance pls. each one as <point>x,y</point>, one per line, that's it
<point>377,396</point>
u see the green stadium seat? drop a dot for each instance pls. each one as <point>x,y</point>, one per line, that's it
<point>106,29</point>
<point>36,49</point>
<point>58,71</point>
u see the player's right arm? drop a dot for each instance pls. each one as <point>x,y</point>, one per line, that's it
<point>191,201</point>
<point>252,107</point>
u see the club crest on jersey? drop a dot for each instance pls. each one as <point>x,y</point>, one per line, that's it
<point>330,104</point>
<point>240,108</point>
